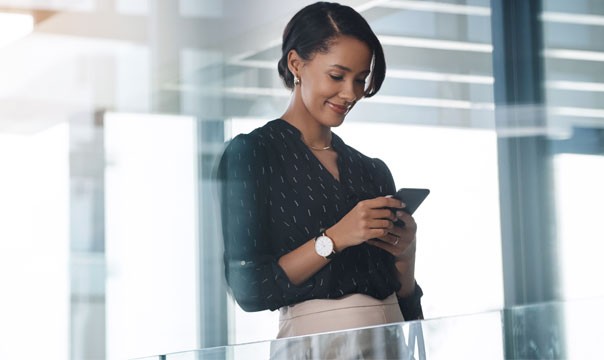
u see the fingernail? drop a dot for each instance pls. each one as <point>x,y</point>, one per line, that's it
<point>388,196</point>
<point>399,213</point>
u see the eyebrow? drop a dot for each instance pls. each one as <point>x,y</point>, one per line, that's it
<point>342,67</point>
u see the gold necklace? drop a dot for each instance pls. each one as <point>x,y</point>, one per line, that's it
<point>320,148</point>
<point>315,148</point>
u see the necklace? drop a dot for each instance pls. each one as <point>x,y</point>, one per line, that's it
<point>320,148</point>
<point>314,147</point>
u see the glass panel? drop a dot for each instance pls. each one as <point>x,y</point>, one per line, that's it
<point>574,79</point>
<point>477,336</point>
<point>574,59</point>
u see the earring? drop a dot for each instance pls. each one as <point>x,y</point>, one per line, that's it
<point>296,80</point>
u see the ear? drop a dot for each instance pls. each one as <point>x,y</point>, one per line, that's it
<point>294,62</point>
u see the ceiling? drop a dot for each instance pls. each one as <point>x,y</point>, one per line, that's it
<point>217,59</point>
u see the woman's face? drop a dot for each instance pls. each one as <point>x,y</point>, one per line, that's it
<point>332,82</point>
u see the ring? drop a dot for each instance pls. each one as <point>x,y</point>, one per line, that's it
<point>396,242</point>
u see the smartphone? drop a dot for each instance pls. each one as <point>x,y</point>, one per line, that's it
<point>412,198</point>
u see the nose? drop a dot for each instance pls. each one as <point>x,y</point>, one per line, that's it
<point>347,93</point>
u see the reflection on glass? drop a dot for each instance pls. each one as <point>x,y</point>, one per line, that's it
<point>468,337</point>
<point>575,97</point>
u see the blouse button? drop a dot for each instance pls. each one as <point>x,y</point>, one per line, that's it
<point>242,262</point>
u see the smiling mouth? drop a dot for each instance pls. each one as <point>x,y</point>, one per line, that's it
<point>340,109</point>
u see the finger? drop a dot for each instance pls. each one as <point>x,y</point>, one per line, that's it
<point>376,233</point>
<point>391,238</point>
<point>394,203</point>
<point>380,224</point>
<point>383,214</point>
<point>406,218</point>
<point>383,201</point>
<point>396,231</point>
<point>384,246</point>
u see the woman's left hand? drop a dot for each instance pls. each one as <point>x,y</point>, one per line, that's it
<point>400,242</point>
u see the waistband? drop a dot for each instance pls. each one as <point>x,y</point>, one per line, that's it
<point>323,305</point>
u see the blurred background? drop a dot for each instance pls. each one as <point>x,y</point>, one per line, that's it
<point>113,114</point>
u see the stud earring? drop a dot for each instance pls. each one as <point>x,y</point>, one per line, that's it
<point>296,80</point>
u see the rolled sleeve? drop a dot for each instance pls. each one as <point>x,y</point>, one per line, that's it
<point>256,280</point>
<point>411,306</point>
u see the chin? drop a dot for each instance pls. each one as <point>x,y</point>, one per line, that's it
<point>329,119</point>
<point>334,122</point>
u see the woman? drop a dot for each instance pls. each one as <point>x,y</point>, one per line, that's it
<point>308,221</point>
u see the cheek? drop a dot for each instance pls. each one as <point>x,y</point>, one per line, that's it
<point>359,92</point>
<point>325,88</point>
<point>317,93</point>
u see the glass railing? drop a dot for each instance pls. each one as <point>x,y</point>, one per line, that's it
<point>557,330</point>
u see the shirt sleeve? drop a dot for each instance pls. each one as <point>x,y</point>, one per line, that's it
<point>411,306</point>
<point>256,280</point>
<point>384,177</point>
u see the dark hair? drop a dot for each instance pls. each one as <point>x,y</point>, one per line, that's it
<point>316,26</point>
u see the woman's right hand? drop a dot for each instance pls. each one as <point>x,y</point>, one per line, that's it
<point>367,220</point>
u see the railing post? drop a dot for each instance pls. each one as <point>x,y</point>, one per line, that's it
<point>525,176</point>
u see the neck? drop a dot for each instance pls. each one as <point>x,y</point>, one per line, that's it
<point>314,138</point>
<point>314,135</point>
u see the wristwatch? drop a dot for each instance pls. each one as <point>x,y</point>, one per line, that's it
<point>324,246</point>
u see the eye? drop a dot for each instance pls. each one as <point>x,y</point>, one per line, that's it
<point>336,77</point>
<point>360,81</point>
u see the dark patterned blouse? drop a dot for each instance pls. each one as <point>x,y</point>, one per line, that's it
<point>276,195</point>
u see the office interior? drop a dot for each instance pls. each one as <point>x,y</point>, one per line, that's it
<point>113,114</point>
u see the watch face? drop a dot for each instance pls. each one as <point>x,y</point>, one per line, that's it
<point>324,246</point>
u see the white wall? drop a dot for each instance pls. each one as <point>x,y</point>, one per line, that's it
<point>151,235</point>
<point>34,245</point>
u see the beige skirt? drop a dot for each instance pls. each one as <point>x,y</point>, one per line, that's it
<point>356,311</point>
<point>347,312</point>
